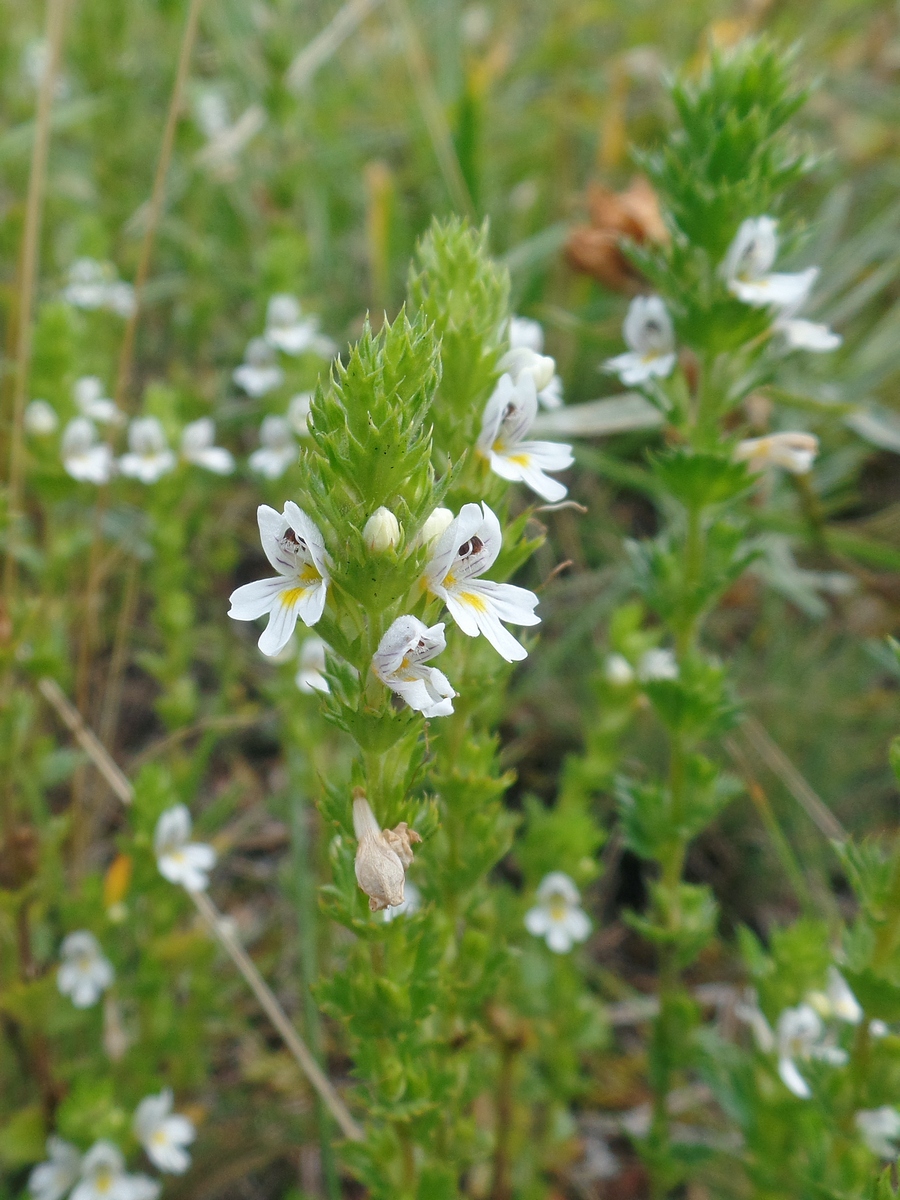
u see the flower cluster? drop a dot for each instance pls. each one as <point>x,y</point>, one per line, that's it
<point>287,330</point>
<point>94,285</point>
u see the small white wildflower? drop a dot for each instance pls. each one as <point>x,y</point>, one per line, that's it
<point>310,677</point>
<point>399,663</point>
<point>179,859</point>
<point>528,336</point>
<point>40,419</point>
<point>656,664</point>
<point>801,334</point>
<point>748,268</point>
<point>164,1134</point>
<point>750,1012</point>
<point>468,547</point>
<point>289,331</point>
<point>198,446</point>
<point>149,456</point>
<point>618,670</point>
<point>880,1130</point>
<point>83,456</point>
<point>381,532</point>
<point>801,1035</point>
<point>878,1029</point>
<point>85,972</point>
<point>837,1000</point>
<point>650,338</point>
<point>793,452</point>
<point>211,112</point>
<point>259,373</point>
<point>558,917</point>
<point>411,903</point>
<point>508,416</point>
<point>294,546</point>
<point>382,856</point>
<point>298,413</point>
<point>93,285</point>
<point>103,1177</point>
<point>224,139</point>
<point>51,1180</point>
<point>435,525</point>
<point>277,450</point>
<point>91,402</point>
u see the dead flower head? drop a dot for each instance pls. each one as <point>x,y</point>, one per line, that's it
<point>382,855</point>
<point>596,249</point>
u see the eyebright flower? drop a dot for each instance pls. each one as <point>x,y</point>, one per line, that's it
<point>525,355</point>
<point>298,413</point>
<point>382,531</point>
<point>558,917</point>
<point>801,1035</point>
<point>310,677</point>
<point>40,418</point>
<point>292,333</point>
<point>149,456</point>
<point>837,1000</point>
<point>164,1134</point>
<point>468,547</point>
<point>508,416</point>
<point>85,973</point>
<point>91,403</point>
<point>259,373</point>
<point>51,1180</point>
<point>801,334</point>
<point>94,285</point>
<point>650,338</point>
<point>382,856</point>
<point>880,1130</point>
<point>618,670</point>
<point>295,548</point>
<point>198,446</point>
<point>748,268</point>
<point>277,451</point>
<point>399,663</point>
<point>794,452</point>
<point>750,1012</point>
<point>434,526</point>
<point>179,859</point>
<point>103,1177</point>
<point>656,664</point>
<point>83,456</point>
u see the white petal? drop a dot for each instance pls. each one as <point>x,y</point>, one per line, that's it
<point>282,621</point>
<point>537,920</point>
<point>809,335</point>
<point>558,938</point>
<point>792,1079</point>
<point>253,600</point>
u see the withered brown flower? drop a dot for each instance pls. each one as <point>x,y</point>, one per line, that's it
<point>595,249</point>
<point>382,856</point>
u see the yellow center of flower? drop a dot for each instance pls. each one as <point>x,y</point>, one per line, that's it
<point>474,601</point>
<point>103,1180</point>
<point>159,1138</point>
<point>558,908</point>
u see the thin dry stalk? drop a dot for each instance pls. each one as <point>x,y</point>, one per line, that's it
<point>326,42</point>
<point>118,662</point>
<point>28,271</point>
<point>264,994</point>
<point>157,197</point>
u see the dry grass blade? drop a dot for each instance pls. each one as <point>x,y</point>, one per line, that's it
<point>87,739</point>
<point>325,43</point>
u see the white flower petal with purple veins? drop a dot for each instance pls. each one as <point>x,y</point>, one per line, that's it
<point>277,451</point>
<point>793,452</point>
<point>40,419</point>
<point>748,268</point>
<point>149,456</point>
<point>198,446</point>
<point>508,416</point>
<point>558,916</point>
<point>259,373</point>
<point>650,337</point>
<point>51,1180</point>
<point>880,1130</point>
<point>468,547</point>
<point>85,972</point>
<point>84,457</point>
<point>295,548</point>
<point>179,859</point>
<point>399,663</point>
<point>164,1134</point>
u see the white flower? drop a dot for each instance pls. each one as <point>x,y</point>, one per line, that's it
<point>552,395</point>
<point>382,856</point>
<point>657,664</point>
<point>149,456</point>
<point>525,334</point>
<point>801,1035</point>
<point>164,1134</point>
<point>398,663</point>
<point>801,334</point>
<point>748,268</point>
<point>508,416</point>
<point>294,547</point>
<point>198,447</point>
<point>93,285</point>
<point>794,452</point>
<point>878,1029</point>
<point>179,859</point>
<point>434,526</point>
<point>523,361</point>
<point>40,418</point>
<point>211,112</point>
<point>411,903</point>
<point>224,139</point>
<point>310,677</point>
<point>837,1000</point>
<point>91,402</point>
<point>880,1130</point>
<point>298,413</point>
<point>258,373</point>
<point>750,1012</point>
<point>468,547</point>
<point>558,916</point>
<point>650,338</point>
<point>103,1177</point>
<point>526,353</point>
<point>618,670</point>
<point>85,972</point>
<point>381,532</point>
<point>277,451</point>
<point>51,1180</point>
<point>83,457</point>
<point>289,331</point>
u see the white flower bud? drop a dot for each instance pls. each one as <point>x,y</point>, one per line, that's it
<point>40,418</point>
<point>439,520</point>
<point>382,856</point>
<point>381,531</point>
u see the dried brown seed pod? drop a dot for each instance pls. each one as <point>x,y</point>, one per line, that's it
<point>382,855</point>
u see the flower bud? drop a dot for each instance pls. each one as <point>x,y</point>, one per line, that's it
<point>434,526</point>
<point>381,531</point>
<point>382,856</point>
